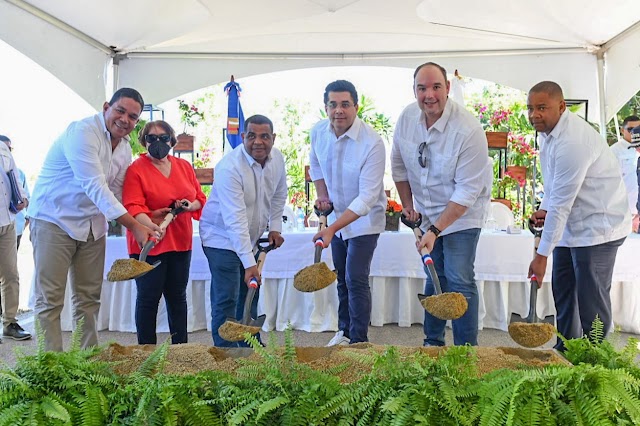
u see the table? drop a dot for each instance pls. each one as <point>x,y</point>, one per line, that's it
<point>396,277</point>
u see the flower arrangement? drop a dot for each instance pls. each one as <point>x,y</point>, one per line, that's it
<point>508,182</point>
<point>393,208</point>
<point>189,115</point>
<point>521,153</point>
<point>299,199</point>
<point>203,158</point>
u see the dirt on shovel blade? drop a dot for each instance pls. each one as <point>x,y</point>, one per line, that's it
<point>314,278</point>
<point>531,335</point>
<point>126,269</point>
<point>446,306</point>
<point>234,331</point>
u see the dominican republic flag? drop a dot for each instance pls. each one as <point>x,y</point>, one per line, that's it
<point>235,117</point>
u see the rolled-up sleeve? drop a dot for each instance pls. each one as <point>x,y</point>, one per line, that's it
<point>315,172</point>
<point>470,175</point>
<point>84,160</point>
<point>371,180</point>
<point>398,168</point>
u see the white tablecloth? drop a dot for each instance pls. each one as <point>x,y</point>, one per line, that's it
<point>396,277</point>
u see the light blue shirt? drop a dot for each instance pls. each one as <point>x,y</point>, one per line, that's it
<point>80,178</point>
<point>22,214</point>
<point>245,198</point>
<point>585,198</point>
<point>352,167</point>
<point>456,156</point>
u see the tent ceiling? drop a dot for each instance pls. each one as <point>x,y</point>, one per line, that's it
<point>172,47</point>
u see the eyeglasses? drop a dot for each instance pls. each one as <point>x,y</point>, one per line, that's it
<point>343,105</point>
<point>629,129</point>
<point>164,138</point>
<point>421,160</point>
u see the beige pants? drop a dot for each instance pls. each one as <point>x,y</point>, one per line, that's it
<point>57,255</point>
<point>9,281</point>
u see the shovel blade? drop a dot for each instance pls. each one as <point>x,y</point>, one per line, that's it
<point>421,297</point>
<point>549,319</point>
<point>155,265</point>
<point>258,322</point>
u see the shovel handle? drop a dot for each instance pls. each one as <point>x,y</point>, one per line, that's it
<point>533,299</point>
<point>427,260</point>
<point>152,241</point>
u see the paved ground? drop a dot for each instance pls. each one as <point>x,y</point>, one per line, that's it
<point>390,334</point>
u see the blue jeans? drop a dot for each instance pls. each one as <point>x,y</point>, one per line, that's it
<point>352,259</point>
<point>228,292</point>
<point>169,279</point>
<point>453,256</point>
<point>581,282</point>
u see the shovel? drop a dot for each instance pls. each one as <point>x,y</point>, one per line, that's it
<point>130,269</point>
<point>445,306</point>
<point>532,331</point>
<point>317,276</point>
<point>234,331</point>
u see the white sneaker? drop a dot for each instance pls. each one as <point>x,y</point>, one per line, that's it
<point>338,339</point>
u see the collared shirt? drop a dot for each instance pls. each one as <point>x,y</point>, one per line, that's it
<point>457,166</point>
<point>77,182</point>
<point>7,165</point>
<point>585,197</point>
<point>352,167</point>
<point>628,159</point>
<point>245,198</point>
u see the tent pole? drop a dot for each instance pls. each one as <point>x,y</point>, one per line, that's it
<point>602,93</point>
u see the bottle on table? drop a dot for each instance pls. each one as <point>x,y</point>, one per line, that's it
<point>300,219</point>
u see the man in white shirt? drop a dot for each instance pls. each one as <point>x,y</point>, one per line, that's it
<point>635,145</point>
<point>9,281</point>
<point>584,211</point>
<point>439,162</point>
<point>628,160</point>
<point>21,217</point>
<point>347,168</point>
<point>72,200</point>
<point>247,197</point>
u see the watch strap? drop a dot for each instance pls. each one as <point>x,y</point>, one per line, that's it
<point>435,230</point>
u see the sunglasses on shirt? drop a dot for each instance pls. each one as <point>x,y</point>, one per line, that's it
<point>421,160</point>
<point>164,138</point>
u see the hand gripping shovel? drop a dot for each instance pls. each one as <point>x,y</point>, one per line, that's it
<point>234,331</point>
<point>317,276</point>
<point>532,331</point>
<point>445,306</point>
<point>129,269</point>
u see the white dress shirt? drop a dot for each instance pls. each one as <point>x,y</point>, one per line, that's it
<point>352,167</point>
<point>79,179</point>
<point>628,160</point>
<point>21,216</point>
<point>585,198</point>
<point>457,162</point>
<point>7,165</point>
<point>245,198</point>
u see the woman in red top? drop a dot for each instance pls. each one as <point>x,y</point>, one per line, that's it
<point>153,183</point>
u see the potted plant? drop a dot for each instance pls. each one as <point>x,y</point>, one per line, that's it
<point>521,155</point>
<point>392,215</point>
<point>191,117</point>
<point>202,166</point>
<point>504,187</point>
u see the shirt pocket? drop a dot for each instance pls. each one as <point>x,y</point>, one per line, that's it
<point>444,169</point>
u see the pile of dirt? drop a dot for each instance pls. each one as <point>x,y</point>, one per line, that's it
<point>192,358</point>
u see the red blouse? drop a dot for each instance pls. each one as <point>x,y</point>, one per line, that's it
<point>146,189</point>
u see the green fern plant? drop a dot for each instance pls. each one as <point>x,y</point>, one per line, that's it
<point>56,388</point>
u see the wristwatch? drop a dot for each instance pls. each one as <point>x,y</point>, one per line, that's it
<point>435,230</point>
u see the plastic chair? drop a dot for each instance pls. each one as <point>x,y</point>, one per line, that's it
<point>502,215</point>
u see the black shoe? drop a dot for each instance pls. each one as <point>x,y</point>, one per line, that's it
<point>15,332</point>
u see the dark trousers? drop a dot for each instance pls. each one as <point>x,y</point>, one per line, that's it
<point>169,279</point>
<point>228,292</point>
<point>581,282</point>
<point>352,259</point>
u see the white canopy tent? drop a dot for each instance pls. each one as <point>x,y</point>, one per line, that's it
<point>165,48</point>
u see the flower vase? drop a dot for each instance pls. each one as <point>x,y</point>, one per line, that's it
<point>392,222</point>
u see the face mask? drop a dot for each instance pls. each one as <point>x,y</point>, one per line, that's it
<point>158,149</point>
